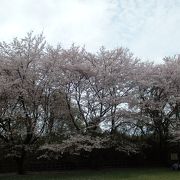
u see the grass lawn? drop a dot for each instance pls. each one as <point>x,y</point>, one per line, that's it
<point>107,174</point>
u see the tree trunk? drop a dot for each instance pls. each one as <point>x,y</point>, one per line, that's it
<point>20,163</point>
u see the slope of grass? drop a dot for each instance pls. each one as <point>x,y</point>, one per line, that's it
<point>121,174</point>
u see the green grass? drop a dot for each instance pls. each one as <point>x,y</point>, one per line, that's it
<point>107,174</point>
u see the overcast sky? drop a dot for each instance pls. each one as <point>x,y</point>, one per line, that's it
<point>149,28</point>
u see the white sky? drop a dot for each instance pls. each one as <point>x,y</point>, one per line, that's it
<point>149,28</point>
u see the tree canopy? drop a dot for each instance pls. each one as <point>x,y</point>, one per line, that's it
<point>58,99</point>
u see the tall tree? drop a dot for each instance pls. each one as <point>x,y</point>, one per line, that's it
<point>24,87</point>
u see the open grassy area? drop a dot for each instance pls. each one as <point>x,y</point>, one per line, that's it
<point>122,174</point>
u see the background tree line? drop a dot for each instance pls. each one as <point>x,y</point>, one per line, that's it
<point>57,100</point>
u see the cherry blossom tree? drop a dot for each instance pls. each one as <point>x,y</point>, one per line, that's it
<point>71,98</point>
<point>98,85</point>
<point>23,94</point>
<point>98,92</point>
<point>159,101</point>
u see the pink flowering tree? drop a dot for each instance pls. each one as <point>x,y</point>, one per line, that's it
<point>24,92</point>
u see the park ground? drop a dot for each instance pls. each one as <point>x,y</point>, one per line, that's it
<point>106,174</point>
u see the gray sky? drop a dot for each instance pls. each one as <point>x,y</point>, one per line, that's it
<point>149,28</point>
